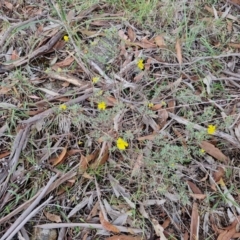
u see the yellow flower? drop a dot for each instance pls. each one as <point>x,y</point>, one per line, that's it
<point>101,105</point>
<point>140,64</point>
<point>80,142</point>
<point>202,151</point>
<point>150,105</point>
<point>211,129</point>
<point>121,144</point>
<point>66,38</point>
<point>95,80</point>
<point>163,103</point>
<point>63,107</point>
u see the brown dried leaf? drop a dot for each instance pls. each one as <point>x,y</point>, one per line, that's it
<point>180,136</point>
<point>145,44</point>
<point>58,46</point>
<point>178,51</point>
<point>163,116</point>
<point>86,175</point>
<point>14,55</point>
<point>160,41</point>
<point>83,164</point>
<point>236,1</point>
<point>148,63</point>
<point>73,152</point>
<point>52,217</point>
<point>227,234</point>
<point>84,161</point>
<point>131,34</point>
<point>107,225</point>
<point>219,174</point>
<point>194,188</point>
<point>111,101</point>
<point>186,236</point>
<point>194,229</point>
<point>157,106</point>
<point>65,186</point>
<point>213,151</point>
<point>94,211</point>
<point>101,161</point>
<point>65,84</point>
<point>8,5</point>
<point>236,235</point>
<point>198,196</point>
<point>234,45</point>
<point>5,154</point>
<point>171,106</point>
<point>4,90</point>
<point>166,223</point>
<point>65,63</point>
<point>229,26</point>
<point>122,35</point>
<point>124,237</point>
<point>59,159</point>
<point>139,77</point>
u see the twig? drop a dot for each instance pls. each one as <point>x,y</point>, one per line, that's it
<point>222,135</point>
<point>234,4</point>
<point>44,49</point>
<point>100,202</point>
<point>5,36</point>
<point>27,218</point>
<point>87,225</point>
<point>51,110</point>
<point>59,181</point>
<point>15,227</point>
<point>198,59</point>
<point>18,145</point>
<point>101,72</point>
<point>232,74</point>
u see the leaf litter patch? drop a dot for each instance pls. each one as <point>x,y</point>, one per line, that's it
<point>139,128</point>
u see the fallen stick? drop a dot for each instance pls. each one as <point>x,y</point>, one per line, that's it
<point>48,112</point>
<point>4,67</point>
<point>222,135</point>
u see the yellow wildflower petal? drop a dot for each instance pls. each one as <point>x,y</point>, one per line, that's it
<point>202,151</point>
<point>121,144</point>
<point>101,105</point>
<point>140,64</point>
<point>66,38</point>
<point>163,103</point>
<point>222,183</point>
<point>63,107</point>
<point>95,79</point>
<point>211,129</point>
<point>150,105</point>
